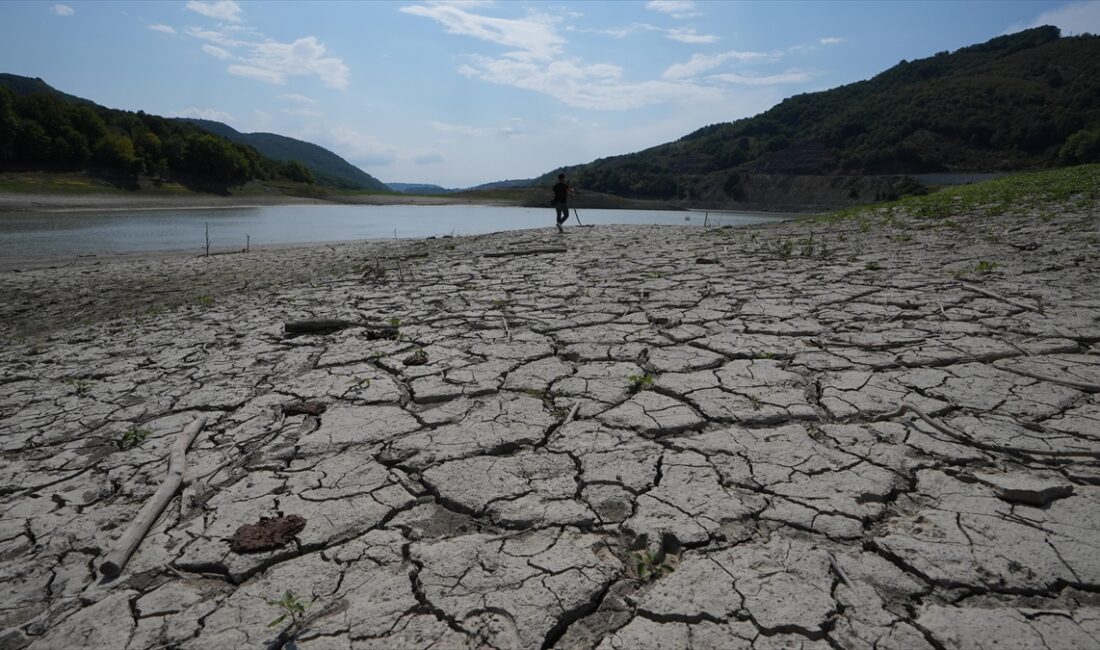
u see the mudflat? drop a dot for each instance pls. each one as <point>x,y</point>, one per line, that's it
<point>810,434</point>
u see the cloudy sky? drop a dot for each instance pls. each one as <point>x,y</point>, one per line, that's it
<point>469,92</point>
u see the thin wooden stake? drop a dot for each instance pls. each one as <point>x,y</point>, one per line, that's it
<point>156,504</point>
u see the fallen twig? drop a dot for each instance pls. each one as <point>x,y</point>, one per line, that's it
<point>1079,385</point>
<point>330,325</point>
<point>572,414</point>
<point>524,251</point>
<point>997,296</point>
<point>152,509</point>
<point>968,440</point>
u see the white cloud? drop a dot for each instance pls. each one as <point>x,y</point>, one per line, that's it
<point>203,113</point>
<point>226,10</point>
<point>533,37</point>
<point>273,62</point>
<point>461,129</point>
<point>305,56</point>
<point>831,40</point>
<point>259,74</point>
<point>688,35</point>
<point>215,51</point>
<point>1073,19</point>
<point>215,37</point>
<point>62,10</point>
<point>703,62</point>
<point>597,87</point>
<point>299,99</point>
<point>167,29</point>
<point>674,8</point>
<point>513,128</point>
<point>790,76</point>
<point>537,65</point>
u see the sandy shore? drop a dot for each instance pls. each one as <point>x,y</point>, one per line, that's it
<point>801,434</point>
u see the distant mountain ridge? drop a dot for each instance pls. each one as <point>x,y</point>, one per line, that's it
<point>327,167</point>
<point>419,188</point>
<point>1022,101</point>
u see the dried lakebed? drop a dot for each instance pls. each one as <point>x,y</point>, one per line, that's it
<point>663,437</point>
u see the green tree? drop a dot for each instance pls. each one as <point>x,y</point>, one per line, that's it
<point>297,172</point>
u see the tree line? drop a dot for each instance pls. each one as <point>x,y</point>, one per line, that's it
<point>43,130</point>
<point>1022,101</point>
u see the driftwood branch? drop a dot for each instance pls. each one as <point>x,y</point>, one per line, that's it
<point>997,296</point>
<point>152,509</point>
<point>1079,385</point>
<point>572,414</point>
<point>330,325</point>
<point>984,446</point>
<point>524,251</point>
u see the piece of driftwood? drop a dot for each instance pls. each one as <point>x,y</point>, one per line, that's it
<point>997,296</point>
<point>572,414</point>
<point>984,446</point>
<point>524,251</point>
<point>330,325</point>
<point>1079,385</point>
<point>131,539</point>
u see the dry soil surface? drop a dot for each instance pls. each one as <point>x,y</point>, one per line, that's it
<point>660,437</point>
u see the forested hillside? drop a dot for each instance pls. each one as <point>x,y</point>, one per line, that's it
<point>1024,101</point>
<point>43,129</point>
<point>327,168</point>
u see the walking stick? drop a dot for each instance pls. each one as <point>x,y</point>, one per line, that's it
<point>578,216</point>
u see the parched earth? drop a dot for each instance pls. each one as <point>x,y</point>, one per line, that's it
<point>885,434</point>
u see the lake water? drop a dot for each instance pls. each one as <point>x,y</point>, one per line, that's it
<point>67,234</point>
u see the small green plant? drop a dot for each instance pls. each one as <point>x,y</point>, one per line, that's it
<point>418,358</point>
<point>205,300</point>
<point>872,266</point>
<point>362,382</point>
<point>985,266</point>
<point>290,607</point>
<point>501,303</point>
<point>394,321</point>
<point>641,382</point>
<point>80,386</point>
<point>155,310</point>
<point>133,438</point>
<point>647,567</point>
<point>864,225</point>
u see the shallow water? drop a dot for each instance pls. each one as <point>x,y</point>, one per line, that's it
<point>62,234</point>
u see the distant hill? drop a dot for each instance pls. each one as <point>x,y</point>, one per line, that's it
<point>418,188</point>
<point>1022,101</point>
<point>20,86</point>
<point>44,129</point>
<point>327,168</point>
<point>501,185</point>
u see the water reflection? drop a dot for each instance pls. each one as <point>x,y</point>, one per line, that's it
<point>87,233</point>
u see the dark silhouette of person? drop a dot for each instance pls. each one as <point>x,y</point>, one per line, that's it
<point>562,190</point>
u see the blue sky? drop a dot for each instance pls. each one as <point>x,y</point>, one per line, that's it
<point>462,93</point>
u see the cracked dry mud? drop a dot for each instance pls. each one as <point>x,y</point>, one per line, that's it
<point>736,420</point>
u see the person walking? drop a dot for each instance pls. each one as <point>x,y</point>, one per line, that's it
<point>562,190</point>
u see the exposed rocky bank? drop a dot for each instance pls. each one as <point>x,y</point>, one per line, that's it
<point>668,437</point>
